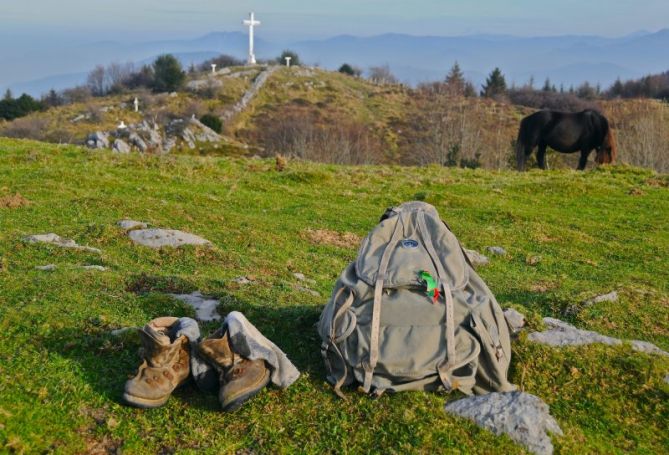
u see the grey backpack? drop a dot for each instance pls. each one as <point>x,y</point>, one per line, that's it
<point>382,330</point>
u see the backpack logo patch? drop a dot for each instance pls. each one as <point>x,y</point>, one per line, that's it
<point>409,244</point>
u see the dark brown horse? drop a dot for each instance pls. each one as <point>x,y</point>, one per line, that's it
<point>567,133</point>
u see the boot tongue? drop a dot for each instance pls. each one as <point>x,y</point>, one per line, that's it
<point>159,334</point>
<point>160,329</point>
<point>218,351</point>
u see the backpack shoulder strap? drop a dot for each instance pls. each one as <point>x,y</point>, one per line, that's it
<point>376,308</point>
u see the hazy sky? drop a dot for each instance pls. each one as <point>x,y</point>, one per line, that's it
<point>297,19</point>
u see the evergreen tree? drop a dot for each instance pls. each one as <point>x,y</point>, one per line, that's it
<point>495,84</point>
<point>617,89</point>
<point>455,80</point>
<point>168,75</point>
<point>547,86</point>
<point>8,95</point>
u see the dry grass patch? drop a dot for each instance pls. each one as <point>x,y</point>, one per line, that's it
<point>327,237</point>
<point>13,201</point>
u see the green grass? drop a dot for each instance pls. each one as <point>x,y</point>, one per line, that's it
<point>62,373</point>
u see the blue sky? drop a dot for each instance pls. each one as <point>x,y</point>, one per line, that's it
<point>40,38</point>
<point>297,19</point>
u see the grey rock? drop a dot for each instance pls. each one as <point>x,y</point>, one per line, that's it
<point>54,239</point>
<point>202,84</point>
<point>205,308</point>
<point>158,238</point>
<point>138,142</point>
<point>560,333</point>
<point>648,348</point>
<point>301,277</point>
<point>46,268</point>
<point>610,297</point>
<point>98,140</point>
<point>131,224</point>
<point>168,144</point>
<point>498,250</point>
<point>514,319</point>
<point>203,133</point>
<point>251,92</point>
<point>154,139</point>
<point>242,280</point>
<point>476,258</point>
<point>524,417</point>
<point>188,137</point>
<point>308,291</point>
<point>98,268</point>
<point>80,117</point>
<point>120,146</point>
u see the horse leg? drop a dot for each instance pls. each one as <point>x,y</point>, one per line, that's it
<point>583,160</point>
<point>541,156</point>
<point>523,150</point>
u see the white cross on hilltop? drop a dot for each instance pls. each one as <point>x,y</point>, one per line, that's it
<point>250,23</point>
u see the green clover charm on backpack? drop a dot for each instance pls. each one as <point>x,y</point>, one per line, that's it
<point>430,284</point>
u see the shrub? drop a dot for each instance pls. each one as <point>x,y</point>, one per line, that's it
<point>26,128</point>
<point>77,94</point>
<point>382,75</point>
<point>350,70</point>
<point>222,61</point>
<point>212,122</point>
<point>11,108</point>
<point>168,74</point>
<point>294,58</point>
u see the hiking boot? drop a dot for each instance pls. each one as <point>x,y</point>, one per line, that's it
<point>240,378</point>
<point>165,366</point>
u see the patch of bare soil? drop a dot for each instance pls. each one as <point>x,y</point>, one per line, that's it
<point>327,237</point>
<point>13,201</point>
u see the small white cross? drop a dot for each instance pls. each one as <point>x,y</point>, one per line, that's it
<point>288,59</point>
<point>213,68</point>
<point>136,103</point>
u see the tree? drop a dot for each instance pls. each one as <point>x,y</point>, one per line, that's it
<point>23,105</point>
<point>294,58</point>
<point>495,84</point>
<point>8,95</point>
<point>96,81</point>
<point>168,76</point>
<point>455,81</point>
<point>382,75</point>
<point>52,99</point>
<point>547,85</point>
<point>141,78</point>
<point>350,70</point>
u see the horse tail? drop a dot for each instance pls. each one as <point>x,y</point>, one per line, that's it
<point>611,140</point>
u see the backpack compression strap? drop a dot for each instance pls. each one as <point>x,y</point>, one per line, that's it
<point>376,309</point>
<point>446,366</point>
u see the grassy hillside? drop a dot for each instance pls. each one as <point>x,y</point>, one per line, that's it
<point>331,117</point>
<point>62,372</point>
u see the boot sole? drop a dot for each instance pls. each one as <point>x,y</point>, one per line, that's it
<point>240,400</point>
<point>144,403</point>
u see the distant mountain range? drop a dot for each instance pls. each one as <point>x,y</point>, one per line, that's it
<point>566,60</point>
